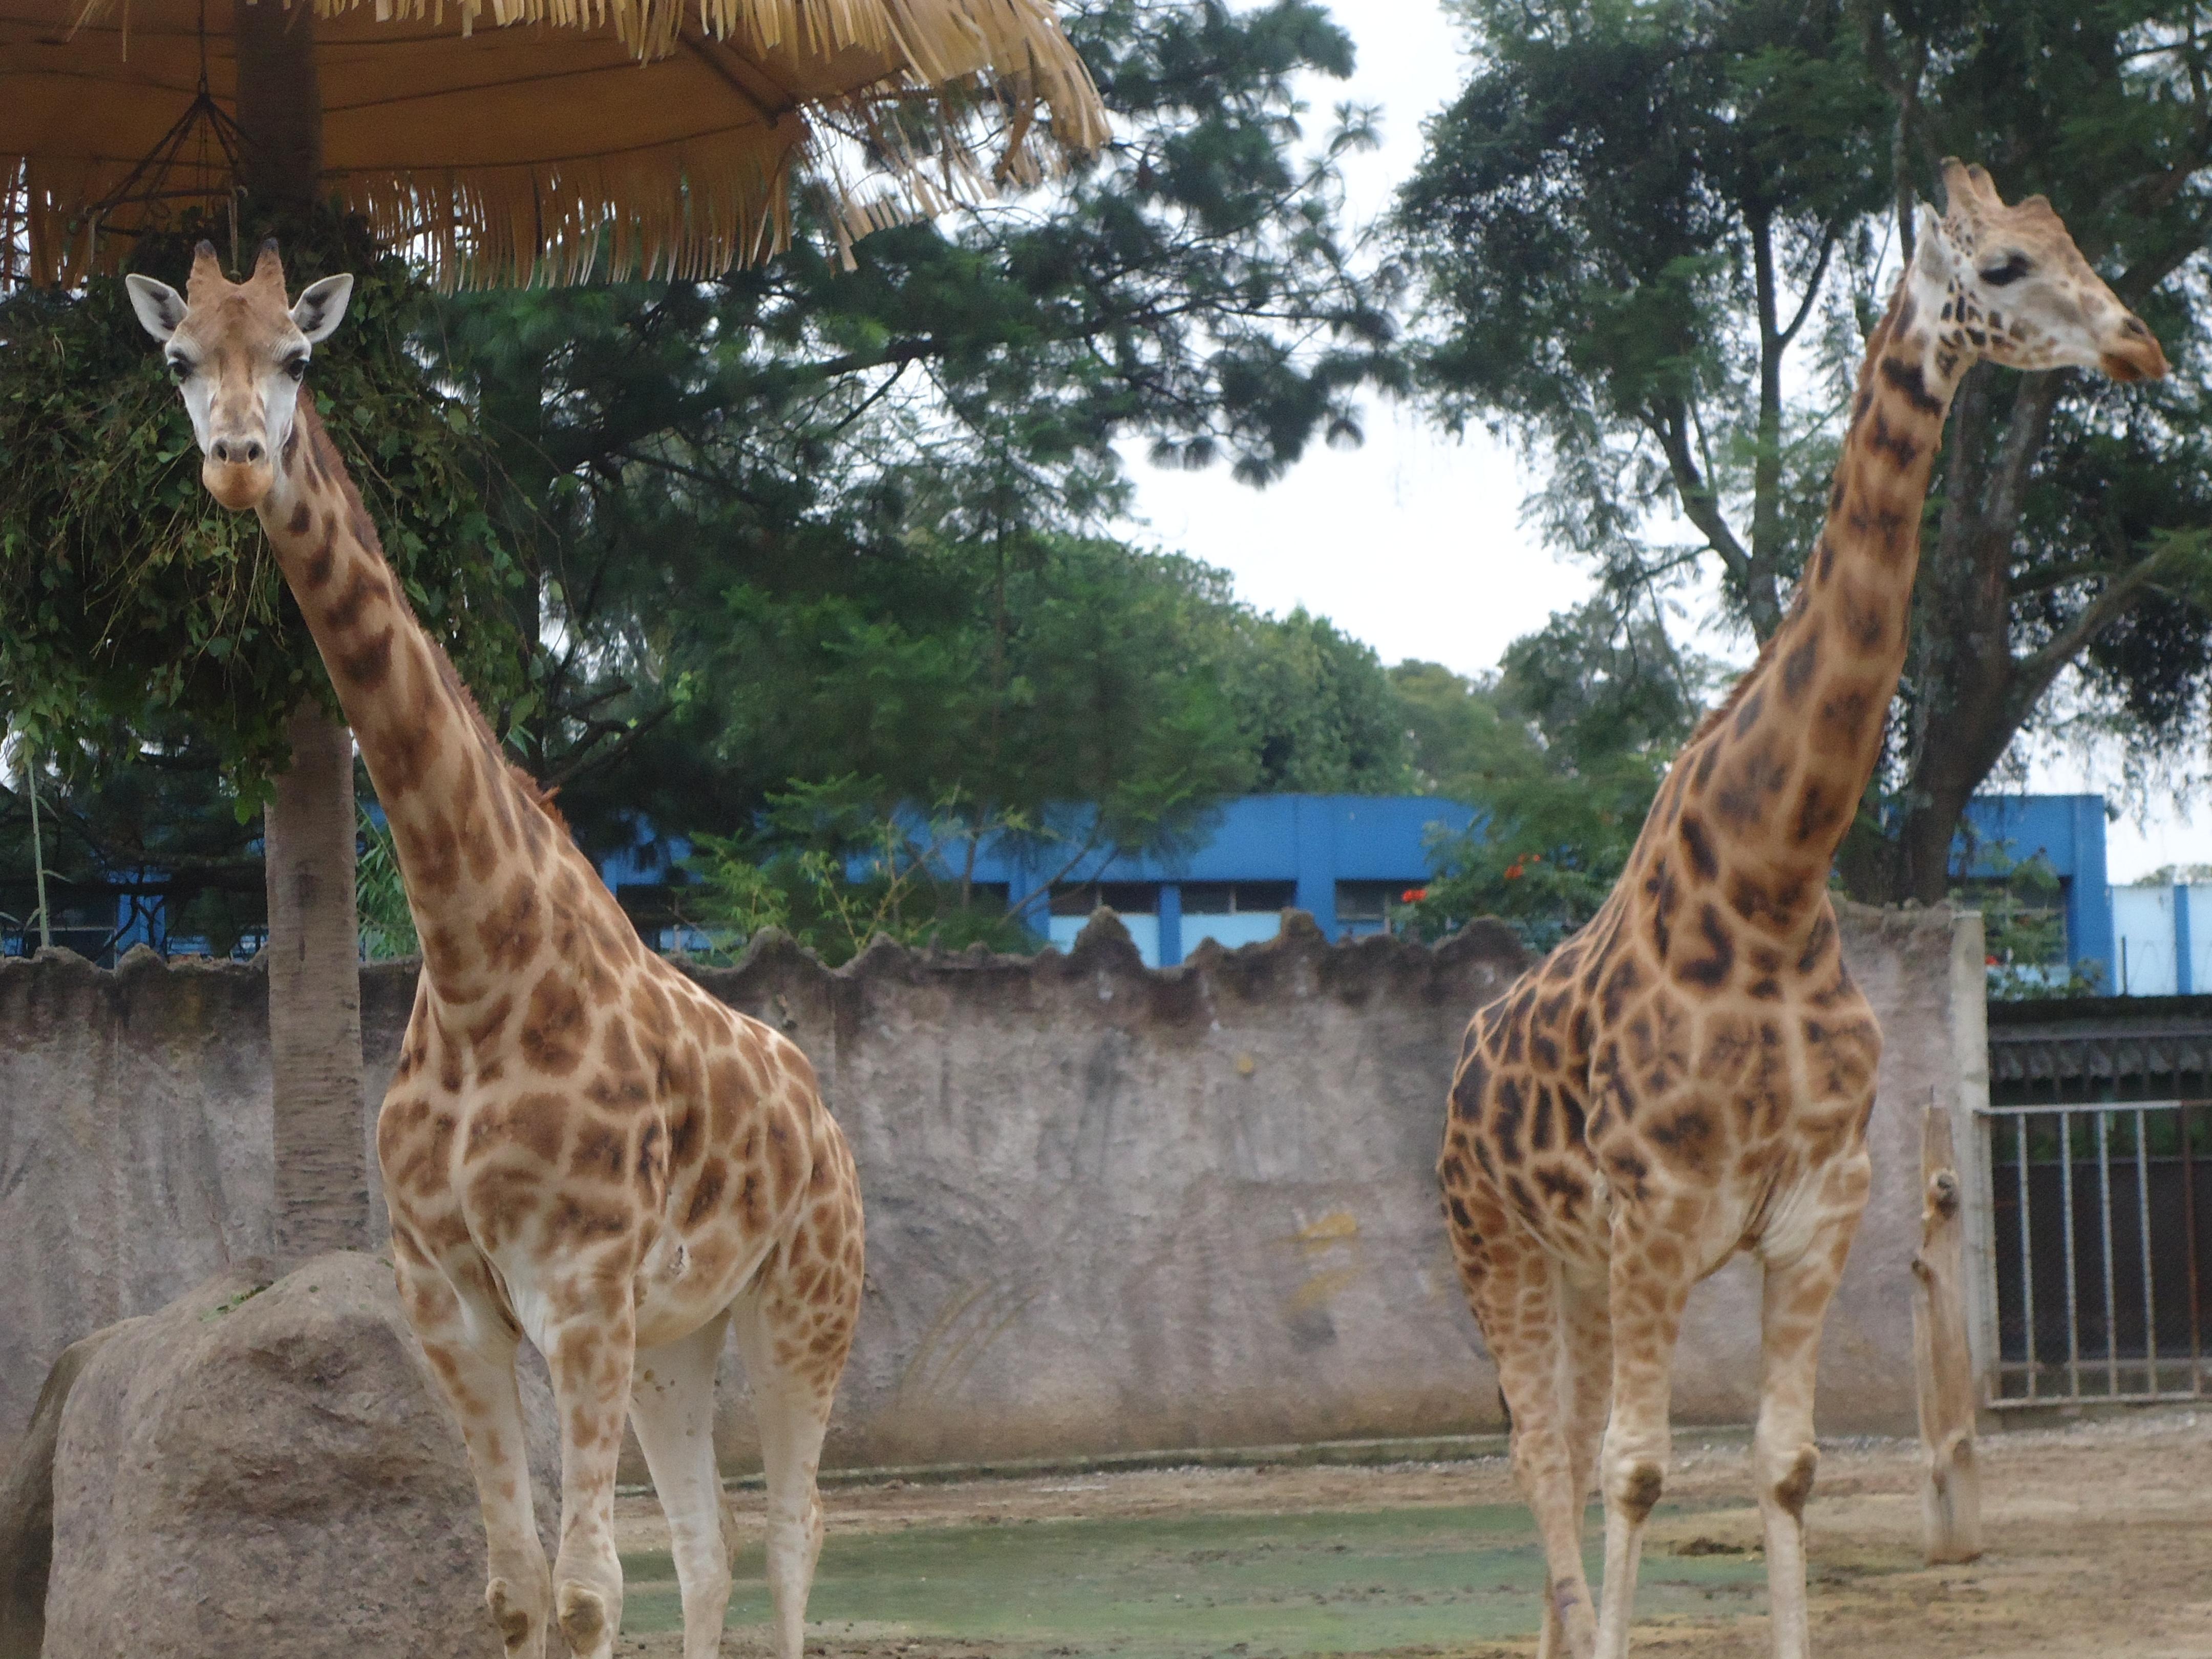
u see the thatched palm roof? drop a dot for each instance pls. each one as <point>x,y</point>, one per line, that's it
<point>503,140</point>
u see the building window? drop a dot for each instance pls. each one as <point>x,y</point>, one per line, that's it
<point>1237,898</point>
<point>1234,913</point>
<point>1137,903</point>
<point>1365,906</point>
<point>1127,898</point>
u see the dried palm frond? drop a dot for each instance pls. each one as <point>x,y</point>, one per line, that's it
<point>544,140</point>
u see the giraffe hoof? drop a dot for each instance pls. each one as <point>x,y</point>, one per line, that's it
<point>513,1621</point>
<point>583,1614</point>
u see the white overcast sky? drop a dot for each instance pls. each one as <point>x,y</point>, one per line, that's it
<point>1414,542</point>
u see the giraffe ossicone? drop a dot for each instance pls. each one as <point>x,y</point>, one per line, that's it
<point>580,1145</point>
<point>1691,1075</point>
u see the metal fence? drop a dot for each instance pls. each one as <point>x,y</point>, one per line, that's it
<point>2101,1217</point>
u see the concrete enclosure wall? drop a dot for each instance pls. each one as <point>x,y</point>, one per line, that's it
<point>1109,1208</point>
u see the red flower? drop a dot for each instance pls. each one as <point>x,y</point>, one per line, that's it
<point>1513,871</point>
<point>1413,895</point>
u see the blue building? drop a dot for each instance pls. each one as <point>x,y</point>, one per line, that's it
<point>2068,832</point>
<point>1341,859</point>
<point>2143,941</point>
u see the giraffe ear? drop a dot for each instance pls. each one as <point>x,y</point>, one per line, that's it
<point>160,307</point>
<point>322,306</point>
<point>1931,247</point>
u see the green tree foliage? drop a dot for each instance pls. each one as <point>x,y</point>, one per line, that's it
<point>387,925</point>
<point>1313,710</point>
<point>1562,751</point>
<point>2024,929</point>
<point>1013,676</point>
<point>796,870</point>
<point>1004,680</point>
<point>1632,214</point>
<point>1625,224</point>
<point>895,450</point>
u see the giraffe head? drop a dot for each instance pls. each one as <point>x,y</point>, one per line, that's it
<point>237,352</point>
<point>2009,284</point>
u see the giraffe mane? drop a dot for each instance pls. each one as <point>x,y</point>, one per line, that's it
<point>533,791</point>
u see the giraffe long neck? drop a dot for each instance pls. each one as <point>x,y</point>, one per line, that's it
<point>463,821</point>
<point>1762,796</point>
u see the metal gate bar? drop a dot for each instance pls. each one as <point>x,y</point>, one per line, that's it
<point>2026,1259</point>
<point>2104,1221</point>
<point>2126,1359</point>
<point>2189,1221</point>
<point>2150,1292</point>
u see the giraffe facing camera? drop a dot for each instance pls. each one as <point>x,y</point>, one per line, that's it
<point>580,1145</point>
<point>1691,1075</point>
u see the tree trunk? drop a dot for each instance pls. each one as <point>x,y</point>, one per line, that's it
<point>314,938</point>
<point>314,993</point>
<point>1951,1488</point>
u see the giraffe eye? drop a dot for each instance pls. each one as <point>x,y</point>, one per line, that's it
<point>180,369</point>
<point>297,366</point>
<point>2010,271</point>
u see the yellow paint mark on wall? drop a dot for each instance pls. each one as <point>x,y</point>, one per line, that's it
<point>1337,1227</point>
<point>1321,1286</point>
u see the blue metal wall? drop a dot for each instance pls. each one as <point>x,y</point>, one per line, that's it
<point>2069,830</point>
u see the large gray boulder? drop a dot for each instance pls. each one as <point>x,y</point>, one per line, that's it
<point>26,1504</point>
<point>271,1471</point>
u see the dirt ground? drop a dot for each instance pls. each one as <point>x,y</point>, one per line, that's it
<point>2098,1546</point>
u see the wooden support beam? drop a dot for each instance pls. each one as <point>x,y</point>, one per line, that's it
<point>1951,1489</point>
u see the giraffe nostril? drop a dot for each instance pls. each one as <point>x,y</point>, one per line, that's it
<point>2134,326</point>
<point>252,451</point>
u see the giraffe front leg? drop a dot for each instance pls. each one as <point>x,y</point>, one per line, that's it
<point>1648,1283</point>
<point>472,1356</point>
<point>591,1348</point>
<point>1513,1288</point>
<point>1785,1456</point>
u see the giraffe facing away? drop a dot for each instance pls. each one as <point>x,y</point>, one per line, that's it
<point>578,1144</point>
<point>1691,1075</point>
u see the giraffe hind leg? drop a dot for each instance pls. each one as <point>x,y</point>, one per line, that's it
<point>1513,1287</point>
<point>474,1363</point>
<point>672,1408</point>
<point>794,1327</point>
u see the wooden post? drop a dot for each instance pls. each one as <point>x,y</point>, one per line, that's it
<point>1951,1492</point>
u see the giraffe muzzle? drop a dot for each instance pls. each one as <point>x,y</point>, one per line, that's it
<point>238,485</point>
<point>2136,355</point>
